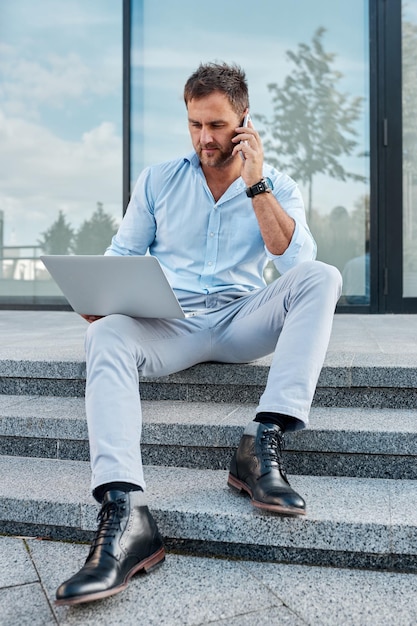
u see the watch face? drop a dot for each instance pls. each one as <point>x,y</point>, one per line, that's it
<point>265,185</point>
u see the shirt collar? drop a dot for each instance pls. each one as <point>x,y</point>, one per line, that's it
<point>235,188</point>
<point>193,159</point>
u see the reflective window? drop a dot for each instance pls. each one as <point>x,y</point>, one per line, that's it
<point>60,135</point>
<point>61,116</point>
<point>409,113</point>
<point>309,87</point>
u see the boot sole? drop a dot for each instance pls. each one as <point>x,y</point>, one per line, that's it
<point>147,565</point>
<point>240,486</point>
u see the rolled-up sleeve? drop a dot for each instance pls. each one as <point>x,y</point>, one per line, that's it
<point>302,246</point>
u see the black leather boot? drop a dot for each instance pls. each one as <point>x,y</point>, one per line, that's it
<point>257,468</point>
<point>127,541</point>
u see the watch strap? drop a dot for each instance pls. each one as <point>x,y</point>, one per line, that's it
<point>263,186</point>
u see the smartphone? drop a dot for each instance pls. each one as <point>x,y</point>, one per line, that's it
<point>244,123</point>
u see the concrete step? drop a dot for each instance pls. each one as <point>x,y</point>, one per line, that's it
<point>347,379</point>
<point>373,443</point>
<point>351,522</point>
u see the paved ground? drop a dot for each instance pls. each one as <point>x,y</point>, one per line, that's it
<point>193,590</point>
<point>390,339</point>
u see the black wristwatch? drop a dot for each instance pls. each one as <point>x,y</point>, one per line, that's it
<point>264,186</point>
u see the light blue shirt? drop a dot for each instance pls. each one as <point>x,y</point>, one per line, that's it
<point>207,247</point>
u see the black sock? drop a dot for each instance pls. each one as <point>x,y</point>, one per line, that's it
<point>99,492</point>
<point>285,422</point>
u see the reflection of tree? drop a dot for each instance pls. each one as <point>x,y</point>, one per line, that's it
<point>312,124</point>
<point>94,235</point>
<point>57,239</point>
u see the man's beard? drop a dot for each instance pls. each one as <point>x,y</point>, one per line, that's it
<point>220,157</point>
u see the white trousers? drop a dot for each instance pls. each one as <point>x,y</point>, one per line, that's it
<point>291,317</point>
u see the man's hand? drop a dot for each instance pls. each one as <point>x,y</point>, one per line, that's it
<point>277,228</point>
<point>92,318</point>
<point>249,144</point>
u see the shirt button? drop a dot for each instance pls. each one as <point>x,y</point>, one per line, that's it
<point>209,263</point>
<point>211,234</point>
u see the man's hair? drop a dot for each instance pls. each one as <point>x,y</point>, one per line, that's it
<point>212,77</point>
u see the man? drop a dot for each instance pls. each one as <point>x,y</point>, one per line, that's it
<point>213,219</point>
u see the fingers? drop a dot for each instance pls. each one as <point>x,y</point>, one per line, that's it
<point>249,146</point>
<point>91,318</point>
<point>248,143</point>
<point>243,148</point>
<point>247,136</point>
<point>245,133</point>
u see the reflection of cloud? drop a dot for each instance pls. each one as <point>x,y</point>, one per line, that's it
<point>409,12</point>
<point>29,83</point>
<point>48,16</point>
<point>41,173</point>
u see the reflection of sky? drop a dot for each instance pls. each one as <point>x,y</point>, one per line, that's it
<point>177,37</point>
<point>60,112</point>
<point>409,10</point>
<point>61,79</point>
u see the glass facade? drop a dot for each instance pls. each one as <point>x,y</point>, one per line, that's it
<point>311,67</point>
<point>409,116</point>
<point>61,136</point>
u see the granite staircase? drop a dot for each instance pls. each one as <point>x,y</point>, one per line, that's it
<point>356,465</point>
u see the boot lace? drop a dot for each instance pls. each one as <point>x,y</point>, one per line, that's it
<point>108,520</point>
<point>271,449</point>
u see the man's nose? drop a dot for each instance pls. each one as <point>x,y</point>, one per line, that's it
<point>205,136</point>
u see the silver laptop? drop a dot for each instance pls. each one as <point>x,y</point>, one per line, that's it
<point>102,285</point>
